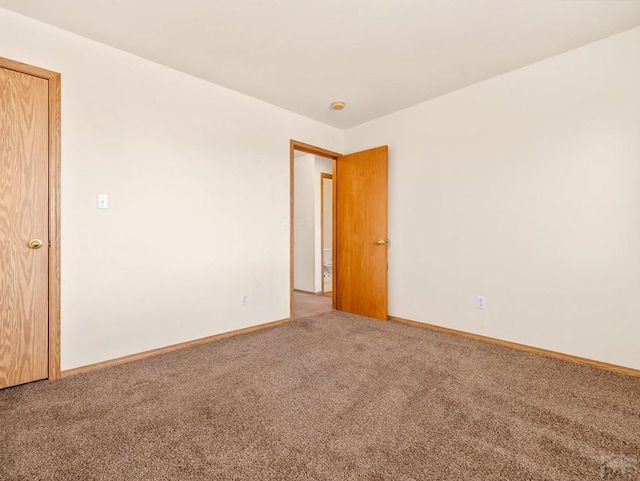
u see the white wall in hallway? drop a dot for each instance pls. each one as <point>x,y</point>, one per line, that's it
<point>304,225</point>
<point>307,216</point>
<point>322,166</point>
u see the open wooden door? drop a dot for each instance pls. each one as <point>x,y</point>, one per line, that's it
<point>360,249</point>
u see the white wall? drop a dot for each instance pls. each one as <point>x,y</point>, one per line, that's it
<point>327,233</point>
<point>322,166</point>
<point>304,233</point>
<point>327,212</point>
<point>198,179</point>
<point>526,189</point>
<point>307,275</point>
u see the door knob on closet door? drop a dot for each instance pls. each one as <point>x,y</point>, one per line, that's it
<point>35,244</point>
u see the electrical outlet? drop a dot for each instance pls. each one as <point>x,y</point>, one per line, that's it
<point>481,302</point>
<point>245,300</point>
<point>102,201</point>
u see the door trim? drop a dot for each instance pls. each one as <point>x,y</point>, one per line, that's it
<point>309,149</point>
<point>53,79</point>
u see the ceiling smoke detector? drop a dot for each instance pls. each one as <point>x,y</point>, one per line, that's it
<point>337,105</point>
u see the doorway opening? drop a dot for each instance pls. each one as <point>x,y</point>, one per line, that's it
<point>311,229</point>
<point>359,244</point>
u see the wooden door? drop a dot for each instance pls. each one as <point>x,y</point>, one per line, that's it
<point>24,204</point>
<point>360,254</point>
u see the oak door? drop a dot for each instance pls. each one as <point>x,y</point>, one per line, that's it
<point>24,236</point>
<point>360,263</point>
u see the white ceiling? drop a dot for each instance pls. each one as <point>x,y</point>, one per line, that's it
<point>379,56</point>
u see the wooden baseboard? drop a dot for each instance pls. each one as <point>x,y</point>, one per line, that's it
<point>522,347</point>
<point>173,347</point>
<point>309,292</point>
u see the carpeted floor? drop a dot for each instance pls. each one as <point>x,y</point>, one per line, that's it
<point>329,397</point>
<point>305,305</point>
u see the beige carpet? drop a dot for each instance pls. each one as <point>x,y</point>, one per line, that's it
<point>330,397</point>
<point>305,305</point>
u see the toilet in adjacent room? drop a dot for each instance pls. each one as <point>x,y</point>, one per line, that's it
<point>327,269</point>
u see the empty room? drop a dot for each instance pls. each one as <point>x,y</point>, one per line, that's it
<point>339,240</point>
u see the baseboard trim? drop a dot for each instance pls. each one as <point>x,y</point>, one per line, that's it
<point>171,348</point>
<point>522,347</point>
<point>319,293</point>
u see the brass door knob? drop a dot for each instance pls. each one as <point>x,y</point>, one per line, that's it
<point>35,244</point>
<point>381,242</point>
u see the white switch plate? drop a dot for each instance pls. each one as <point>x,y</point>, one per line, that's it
<point>481,302</point>
<point>103,201</point>
<point>245,300</point>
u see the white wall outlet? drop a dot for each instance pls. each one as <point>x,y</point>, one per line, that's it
<point>481,302</point>
<point>245,300</point>
<point>102,201</point>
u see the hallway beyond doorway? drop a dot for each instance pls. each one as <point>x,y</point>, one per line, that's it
<point>310,304</point>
